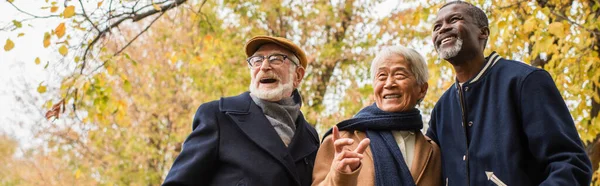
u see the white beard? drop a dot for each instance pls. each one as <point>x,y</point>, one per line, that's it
<point>447,53</point>
<point>276,94</point>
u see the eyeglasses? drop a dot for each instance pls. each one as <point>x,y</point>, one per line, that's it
<point>274,59</point>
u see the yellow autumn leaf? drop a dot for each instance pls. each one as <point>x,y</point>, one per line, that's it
<point>77,59</point>
<point>21,34</point>
<point>63,50</point>
<point>502,24</point>
<point>69,11</point>
<point>41,88</point>
<point>173,59</point>
<point>17,24</point>
<point>546,42</point>
<point>46,40</point>
<point>10,1</point>
<point>77,174</point>
<point>100,3</point>
<point>557,29</point>
<point>529,25</point>
<point>53,9</point>
<point>60,30</point>
<point>109,70</point>
<point>37,60</point>
<point>9,45</point>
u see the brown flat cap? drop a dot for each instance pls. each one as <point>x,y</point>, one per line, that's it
<point>253,44</point>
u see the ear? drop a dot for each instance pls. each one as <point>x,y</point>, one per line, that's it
<point>423,90</point>
<point>299,76</point>
<point>485,32</point>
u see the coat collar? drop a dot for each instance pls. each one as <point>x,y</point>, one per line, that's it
<point>423,153</point>
<point>252,121</point>
<point>489,62</point>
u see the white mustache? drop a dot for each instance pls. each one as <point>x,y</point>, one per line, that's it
<point>268,75</point>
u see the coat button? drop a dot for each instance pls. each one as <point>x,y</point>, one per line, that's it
<point>464,157</point>
<point>466,89</point>
<point>470,123</point>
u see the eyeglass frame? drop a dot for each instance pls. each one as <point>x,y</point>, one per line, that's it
<point>269,56</point>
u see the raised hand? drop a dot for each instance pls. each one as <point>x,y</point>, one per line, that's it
<point>347,160</point>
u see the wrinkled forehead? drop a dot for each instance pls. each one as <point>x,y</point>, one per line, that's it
<point>272,48</point>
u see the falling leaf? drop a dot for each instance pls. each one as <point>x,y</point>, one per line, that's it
<point>53,9</point>
<point>60,30</point>
<point>17,24</point>
<point>77,59</point>
<point>69,11</point>
<point>41,88</point>
<point>21,34</point>
<point>63,50</point>
<point>10,1</point>
<point>156,7</point>
<point>46,40</point>
<point>557,28</point>
<point>56,109</point>
<point>37,60</point>
<point>100,3</point>
<point>9,45</point>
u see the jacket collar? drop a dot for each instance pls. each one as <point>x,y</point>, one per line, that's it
<point>252,121</point>
<point>423,153</point>
<point>489,62</point>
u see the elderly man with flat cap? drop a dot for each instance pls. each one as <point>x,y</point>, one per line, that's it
<point>259,137</point>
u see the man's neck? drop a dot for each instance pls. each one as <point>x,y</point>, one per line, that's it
<point>468,68</point>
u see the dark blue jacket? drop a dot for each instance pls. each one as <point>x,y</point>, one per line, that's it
<point>233,143</point>
<point>512,127</point>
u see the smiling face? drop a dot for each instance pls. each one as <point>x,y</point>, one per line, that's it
<point>455,33</point>
<point>395,87</point>
<point>274,82</point>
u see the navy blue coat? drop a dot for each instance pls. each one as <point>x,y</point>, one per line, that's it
<point>233,143</point>
<point>512,126</point>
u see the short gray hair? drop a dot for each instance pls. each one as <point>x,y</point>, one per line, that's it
<point>417,64</point>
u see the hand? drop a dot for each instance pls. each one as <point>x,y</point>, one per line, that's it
<point>345,159</point>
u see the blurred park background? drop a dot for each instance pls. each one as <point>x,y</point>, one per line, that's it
<point>102,92</point>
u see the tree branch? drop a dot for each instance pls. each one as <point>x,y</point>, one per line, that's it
<point>35,16</point>
<point>131,41</point>
<point>86,16</point>
<point>134,18</point>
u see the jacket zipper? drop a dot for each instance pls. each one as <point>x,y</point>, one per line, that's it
<point>464,125</point>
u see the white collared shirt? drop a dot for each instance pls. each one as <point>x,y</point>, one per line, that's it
<point>406,143</point>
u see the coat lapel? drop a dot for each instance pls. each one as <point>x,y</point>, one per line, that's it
<point>251,120</point>
<point>423,153</point>
<point>298,147</point>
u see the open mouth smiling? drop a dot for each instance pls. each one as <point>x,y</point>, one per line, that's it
<point>268,80</point>
<point>444,40</point>
<point>391,96</point>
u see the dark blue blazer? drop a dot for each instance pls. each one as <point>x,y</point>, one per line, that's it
<point>233,143</point>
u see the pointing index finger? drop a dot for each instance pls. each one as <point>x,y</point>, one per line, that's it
<point>362,146</point>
